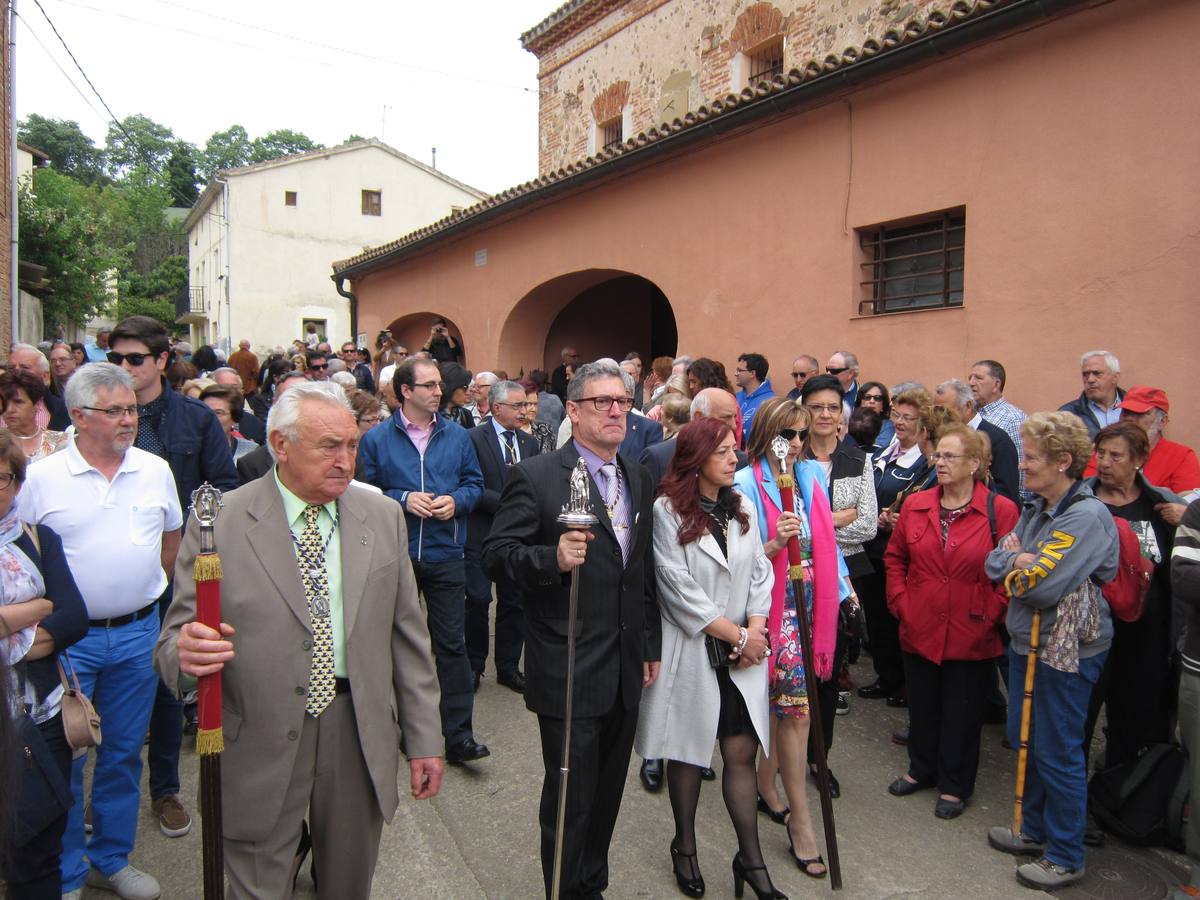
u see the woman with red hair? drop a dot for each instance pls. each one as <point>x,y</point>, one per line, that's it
<point>714,593</point>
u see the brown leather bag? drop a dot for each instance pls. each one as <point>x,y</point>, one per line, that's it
<point>81,722</point>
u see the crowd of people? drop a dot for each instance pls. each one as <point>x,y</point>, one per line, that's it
<point>956,538</point>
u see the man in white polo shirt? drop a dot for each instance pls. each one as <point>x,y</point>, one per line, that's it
<point>117,511</point>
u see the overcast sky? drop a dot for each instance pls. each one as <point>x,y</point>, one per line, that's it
<point>450,75</point>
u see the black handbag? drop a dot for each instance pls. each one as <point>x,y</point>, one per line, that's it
<point>43,794</point>
<point>718,652</point>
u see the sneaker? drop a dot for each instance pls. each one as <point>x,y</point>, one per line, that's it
<point>76,894</point>
<point>87,817</point>
<point>1001,838</point>
<point>1046,876</point>
<point>173,819</point>
<point>843,703</point>
<point>129,883</point>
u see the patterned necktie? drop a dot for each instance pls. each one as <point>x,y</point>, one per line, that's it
<point>509,456</point>
<point>316,591</point>
<point>612,502</point>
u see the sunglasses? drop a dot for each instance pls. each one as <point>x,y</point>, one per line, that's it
<point>134,359</point>
<point>872,398</point>
<point>790,434</point>
<point>315,366</point>
<point>834,370</point>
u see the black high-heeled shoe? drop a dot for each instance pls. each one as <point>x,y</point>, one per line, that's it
<point>803,864</point>
<point>780,817</point>
<point>741,878</point>
<point>693,887</point>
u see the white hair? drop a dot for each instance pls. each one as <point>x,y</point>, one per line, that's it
<point>43,364</point>
<point>284,416</point>
<point>1114,364</point>
<point>215,372</point>
<point>962,393</point>
<point>478,375</point>
<point>905,386</point>
<point>88,380</point>
<point>701,406</point>
<point>498,392</point>
<point>601,368</point>
<point>681,361</point>
<point>849,359</point>
<point>343,379</point>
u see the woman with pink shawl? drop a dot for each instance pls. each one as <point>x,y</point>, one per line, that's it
<point>824,579</point>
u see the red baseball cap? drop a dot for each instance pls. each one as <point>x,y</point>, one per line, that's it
<point>1140,399</point>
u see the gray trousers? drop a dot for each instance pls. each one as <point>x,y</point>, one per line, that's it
<point>332,787</point>
<point>1189,730</point>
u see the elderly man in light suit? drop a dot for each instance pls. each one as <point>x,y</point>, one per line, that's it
<point>324,653</point>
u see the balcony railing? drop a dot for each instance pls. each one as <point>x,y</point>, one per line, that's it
<point>190,301</point>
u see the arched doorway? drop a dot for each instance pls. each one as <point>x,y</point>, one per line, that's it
<point>599,312</point>
<point>412,330</point>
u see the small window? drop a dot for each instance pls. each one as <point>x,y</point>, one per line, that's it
<point>611,133</point>
<point>766,61</point>
<point>289,198</point>
<point>372,203</point>
<point>915,264</point>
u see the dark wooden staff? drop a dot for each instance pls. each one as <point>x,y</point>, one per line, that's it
<point>787,496</point>
<point>210,739</point>
<point>1026,709</point>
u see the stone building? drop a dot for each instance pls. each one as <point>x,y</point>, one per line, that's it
<point>923,183</point>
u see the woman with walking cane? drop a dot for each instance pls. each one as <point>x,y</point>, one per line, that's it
<point>822,569</point>
<point>714,593</point>
<point>1052,565</point>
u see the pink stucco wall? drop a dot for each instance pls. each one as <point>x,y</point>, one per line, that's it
<point>1074,147</point>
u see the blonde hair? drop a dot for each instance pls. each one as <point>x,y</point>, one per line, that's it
<point>196,384</point>
<point>1056,433</point>
<point>773,416</point>
<point>919,399</point>
<point>976,445</point>
<point>676,412</point>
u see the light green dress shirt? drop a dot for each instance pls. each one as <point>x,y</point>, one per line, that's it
<point>293,509</point>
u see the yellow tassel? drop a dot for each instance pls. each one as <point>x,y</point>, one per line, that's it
<point>208,567</point>
<point>209,741</point>
<point>796,573</point>
<point>784,481</point>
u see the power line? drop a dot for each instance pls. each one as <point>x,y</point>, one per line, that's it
<point>33,34</point>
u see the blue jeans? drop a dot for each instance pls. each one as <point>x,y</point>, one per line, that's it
<point>1055,803</point>
<point>115,669</point>
<point>444,585</point>
<point>166,727</point>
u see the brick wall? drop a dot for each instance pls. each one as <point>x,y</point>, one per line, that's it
<point>672,56</point>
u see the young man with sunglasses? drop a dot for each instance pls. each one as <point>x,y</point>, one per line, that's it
<point>316,365</point>
<point>186,434</point>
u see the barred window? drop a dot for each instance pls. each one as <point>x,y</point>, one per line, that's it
<point>914,265</point>
<point>611,133</point>
<point>766,61</point>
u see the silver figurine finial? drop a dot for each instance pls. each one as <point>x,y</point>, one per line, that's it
<point>577,511</point>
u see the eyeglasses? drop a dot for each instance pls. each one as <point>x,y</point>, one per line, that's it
<point>907,419</point>
<point>431,385</point>
<point>817,409</point>
<point>604,404</point>
<point>115,412</point>
<point>790,434</point>
<point>134,359</point>
<point>524,405</point>
<point>834,370</point>
<point>948,457</point>
<point>370,420</point>
<point>317,367</point>
<point>872,398</point>
<point>7,478</point>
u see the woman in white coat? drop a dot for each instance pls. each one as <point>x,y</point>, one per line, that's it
<point>714,585</point>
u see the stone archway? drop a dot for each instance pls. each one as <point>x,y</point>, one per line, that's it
<point>412,331</point>
<point>600,312</point>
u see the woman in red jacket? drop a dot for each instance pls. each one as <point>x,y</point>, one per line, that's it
<point>948,611</point>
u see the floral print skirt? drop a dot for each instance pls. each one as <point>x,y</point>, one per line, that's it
<point>789,693</point>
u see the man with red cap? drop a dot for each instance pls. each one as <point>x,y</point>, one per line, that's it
<point>1169,465</point>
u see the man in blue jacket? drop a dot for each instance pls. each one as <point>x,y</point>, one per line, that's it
<point>188,436</point>
<point>429,466</point>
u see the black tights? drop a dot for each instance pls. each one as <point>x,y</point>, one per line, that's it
<point>739,786</point>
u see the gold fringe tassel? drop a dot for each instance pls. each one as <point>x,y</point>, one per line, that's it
<point>208,567</point>
<point>209,741</point>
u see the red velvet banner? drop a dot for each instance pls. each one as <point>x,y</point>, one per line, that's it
<point>208,612</point>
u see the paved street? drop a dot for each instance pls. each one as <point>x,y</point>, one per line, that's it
<point>478,838</point>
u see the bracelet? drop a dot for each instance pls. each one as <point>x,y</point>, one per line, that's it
<point>743,637</point>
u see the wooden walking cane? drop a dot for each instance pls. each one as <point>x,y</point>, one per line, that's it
<point>210,740</point>
<point>1026,714</point>
<point>787,498</point>
<point>576,514</point>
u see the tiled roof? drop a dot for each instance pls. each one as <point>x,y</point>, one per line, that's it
<point>763,95</point>
<point>569,18</point>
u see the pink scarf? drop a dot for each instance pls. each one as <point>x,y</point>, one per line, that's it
<point>824,572</point>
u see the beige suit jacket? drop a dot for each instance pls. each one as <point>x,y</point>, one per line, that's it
<point>393,682</point>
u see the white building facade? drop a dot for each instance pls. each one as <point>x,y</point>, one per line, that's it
<point>261,238</point>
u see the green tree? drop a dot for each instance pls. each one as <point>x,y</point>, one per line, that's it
<point>226,149</point>
<point>353,138</point>
<point>181,174</point>
<point>137,143</point>
<point>70,150</point>
<point>64,226</point>
<point>154,293</point>
<point>284,142</point>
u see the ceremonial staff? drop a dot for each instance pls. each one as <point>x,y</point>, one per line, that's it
<point>210,741</point>
<point>787,496</point>
<point>576,514</point>
<point>1026,710</point>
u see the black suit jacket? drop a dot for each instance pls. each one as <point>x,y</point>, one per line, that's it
<point>254,465</point>
<point>60,418</point>
<point>657,459</point>
<point>618,627</point>
<point>252,427</point>
<point>495,473</point>
<point>640,433</point>
<point>1005,477</point>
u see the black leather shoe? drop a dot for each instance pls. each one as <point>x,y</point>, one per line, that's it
<point>466,750</point>
<point>835,787</point>
<point>898,702</point>
<point>900,736</point>
<point>652,775</point>
<point>902,787</point>
<point>513,680</point>
<point>707,773</point>
<point>476,678</point>
<point>874,691</point>
<point>949,809</point>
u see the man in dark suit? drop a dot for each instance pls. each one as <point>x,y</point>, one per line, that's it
<point>618,639</point>
<point>957,396</point>
<point>258,463</point>
<point>500,444</point>
<point>640,433</point>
